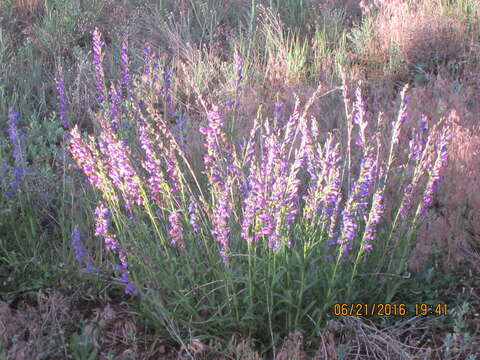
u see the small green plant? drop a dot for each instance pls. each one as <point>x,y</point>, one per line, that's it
<point>82,347</point>
<point>360,37</point>
<point>3,352</point>
<point>459,341</point>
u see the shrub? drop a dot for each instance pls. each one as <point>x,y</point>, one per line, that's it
<point>271,233</point>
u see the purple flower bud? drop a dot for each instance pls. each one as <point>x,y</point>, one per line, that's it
<point>440,162</point>
<point>402,115</point>
<point>121,171</point>
<point>367,246</point>
<point>147,58</point>
<point>125,80</point>
<point>152,164</point>
<point>238,67</point>
<point>130,288</point>
<point>81,251</point>
<point>86,160</point>
<point>115,103</point>
<point>406,201</point>
<point>62,102</point>
<point>220,218</point>
<point>278,108</point>
<point>102,219</point>
<point>291,126</point>
<point>175,231</point>
<point>111,243</point>
<point>98,56</point>
<point>376,213</point>
<point>173,173</point>
<point>193,216</point>
<point>360,117</point>
<point>16,137</point>
<point>166,79</point>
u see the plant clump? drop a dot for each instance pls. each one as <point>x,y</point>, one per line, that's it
<point>283,198</point>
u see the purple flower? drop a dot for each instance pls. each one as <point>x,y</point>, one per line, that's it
<point>252,141</point>
<point>152,164</point>
<point>172,172</point>
<point>357,202</point>
<point>98,56</point>
<point>103,220</point>
<point>419,139</point>
<point>111,243</point>
<point>219,178</point>
<point>272,199</point>
<point>406,201</point>
<point>16,136</point>
<point>125,80</point>
<point>367,246</point>
<point>440,162</point>
<point>238,70</point>
<point>18,176</point>
<point>360,117</point>
<point>84,156</point>
<point>423,125</point>
<point>365,181</point>
<point>115,103</point>
<point>251,203</point>
<point>120,169</point>
<point>220,219</point>
<point>374,217</point>
<point>238,67</point>
<point>147,58</point>
<point>20,160</point>
<point>102,223</point>
<point>349,228</point>
<point>269,225</point>
<point>179,129</point>
<point>62,102</point>
<point>175,231</point>
<point>166,79</point>
<point>402,115</point>
<point>309,150</point>
<point>415,146</point>
<point>130,288</point>
<point>193,216</point>
<point>278,108</point>
<point>166,87</point>
<point>214,141</point>
<point>324,187</point>
<point>81,251</point>
<point>291,126</point>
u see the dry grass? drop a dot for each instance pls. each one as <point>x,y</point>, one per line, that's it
<point>451,224</point>
<point>24,334</point>
<point>45,330</point>
<point>455,222</point>
<point>28,9</point>
<point>407,36</point>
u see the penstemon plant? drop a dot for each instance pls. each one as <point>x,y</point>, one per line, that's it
<point>266,238</point>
